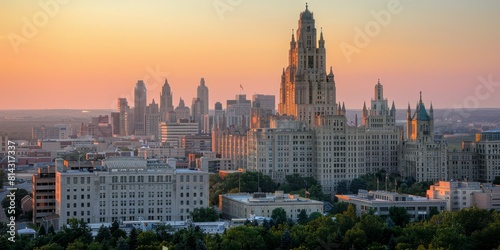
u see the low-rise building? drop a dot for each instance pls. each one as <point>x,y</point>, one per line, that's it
<point>380,202</point>
<point>488,198</point>
<point>457,194</point>
<point>246,205</point>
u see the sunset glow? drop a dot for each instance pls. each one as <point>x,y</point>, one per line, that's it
<point>86,54</point>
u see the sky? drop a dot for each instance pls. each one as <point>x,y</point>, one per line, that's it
<point>85,54</point>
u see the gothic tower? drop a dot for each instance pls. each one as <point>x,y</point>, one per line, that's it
<point>420,125</point>
<point>306,90</point>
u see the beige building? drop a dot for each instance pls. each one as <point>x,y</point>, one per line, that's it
<point>488,199</point>
<point>457,194</point>
<point>44,197</point>
<point>130,189</point>
<point>464,164</point>
<point>172,133</point>
<point>245,205</point>
<point>281,152</point>
<point>161,152</point>
<point>231,143</point>
<point>488,149</point>
<point>381,201</point>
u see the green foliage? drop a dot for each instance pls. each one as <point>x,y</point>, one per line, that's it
<point>471,228</point>
<point>204,214</point>
<point>357,184</point>
<point>302,217</point>
<point>42,231</point>
<point>75,230</point>
<point>497,180</point>
<point>339,207</point>
<point>399,216</point>
<point>121,244</point>
<point>342,187</point>
<point>243,238</point>
<point>279,215</point>
<point>246,182</point>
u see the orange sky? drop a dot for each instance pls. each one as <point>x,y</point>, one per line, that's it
<point>86,54</point>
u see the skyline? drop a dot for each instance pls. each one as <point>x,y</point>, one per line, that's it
<point>88,54</point>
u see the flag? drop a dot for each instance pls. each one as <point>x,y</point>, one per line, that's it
<point>241,87</point>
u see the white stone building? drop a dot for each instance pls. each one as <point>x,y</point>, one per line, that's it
<point>130,189</point>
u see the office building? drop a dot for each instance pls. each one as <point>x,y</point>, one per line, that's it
<point>166,106</point>
<point>246,205</point>
<point>130,189</point>
<point>140,99</point>
<point>380,202</point>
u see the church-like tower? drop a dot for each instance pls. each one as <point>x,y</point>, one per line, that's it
<point>420,125</point>
<point>379,115</point>
<point>306,90</point>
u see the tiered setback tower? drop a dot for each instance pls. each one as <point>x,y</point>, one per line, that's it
<point>306,90</point>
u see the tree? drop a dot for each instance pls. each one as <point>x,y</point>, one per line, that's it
<point>147,238</point>
<point>279,215</point>
<point>302,217</point>
<point>399,215</point>
<point>116,232</point>
<point>103,235</point>
<point>357,184</point>
<point>342,187</point>
<point>497,180</point>
<point>339,207</point>
<point>355,238</point>
<point>132,238</point>
<point>75,230</point>
<point>286,240</point>
<point>42,231</point>
<point>314,215</point>
<point>121,244</point>
<point>206,214</point>
<point>52,230</point>
<point>243,238</point>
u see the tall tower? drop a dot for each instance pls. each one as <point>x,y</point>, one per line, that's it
<point>420,125</point>
<point>307,91</point>
<point>379,115</point>
<point>139,107</point>
<point>165,101</point>
<point>202,94</point>
<point>152,121</point>
<point>123,110</point>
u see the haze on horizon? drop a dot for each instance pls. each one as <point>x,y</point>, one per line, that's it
<point>86,54</point>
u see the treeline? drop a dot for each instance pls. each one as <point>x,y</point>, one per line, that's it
<point>471,228</point>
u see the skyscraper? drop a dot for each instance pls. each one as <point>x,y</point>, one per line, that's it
<point>139,107</point>
<point>202,94</point>
<point>152,119</point>
<point>123,110</point>
<point>306,90</point>
<point>165,101</point>
<point>197,115</point>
